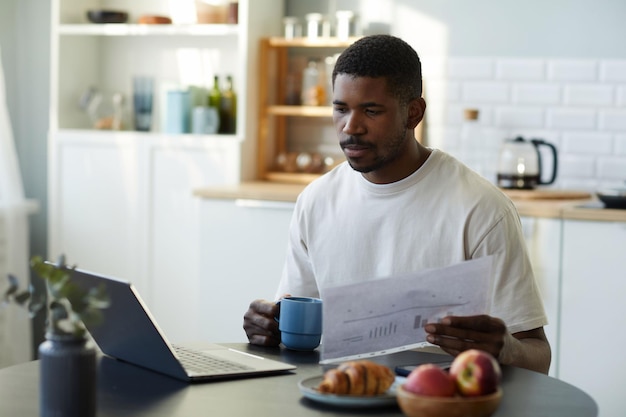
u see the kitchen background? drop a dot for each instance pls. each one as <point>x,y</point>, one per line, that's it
<point>552,70</point>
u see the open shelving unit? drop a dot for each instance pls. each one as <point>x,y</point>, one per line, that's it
<point>274,114</point>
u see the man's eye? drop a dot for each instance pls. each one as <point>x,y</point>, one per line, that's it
<point>372,112</point>
<point>339,109</point>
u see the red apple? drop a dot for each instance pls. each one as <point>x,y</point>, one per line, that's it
<point>476,372</point>
<point>429,379</point>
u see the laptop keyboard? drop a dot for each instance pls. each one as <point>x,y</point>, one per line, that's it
<point>204,363</point>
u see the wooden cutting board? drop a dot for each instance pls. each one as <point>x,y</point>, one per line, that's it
<point>544,194</point>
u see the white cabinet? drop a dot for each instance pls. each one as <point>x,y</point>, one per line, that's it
<point>543,239</point>
<point>171,225</point>
<point>593,311</point>
<point>121,202</point>
<point>243,245</point>
<point>124,205</point>
<point>94,203</point>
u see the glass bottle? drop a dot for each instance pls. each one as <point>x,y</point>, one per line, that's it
<point>215,94</point>
<point>228,108</point>
<point>472,141</point>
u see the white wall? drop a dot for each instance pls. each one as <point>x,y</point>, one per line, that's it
<point>25,41</point>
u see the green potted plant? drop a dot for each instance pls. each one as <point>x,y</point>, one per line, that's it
<point>67,357</point>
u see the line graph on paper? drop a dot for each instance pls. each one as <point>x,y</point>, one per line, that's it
<point>390,313</point>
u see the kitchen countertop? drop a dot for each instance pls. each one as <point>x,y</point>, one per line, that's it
<point>547,203</point>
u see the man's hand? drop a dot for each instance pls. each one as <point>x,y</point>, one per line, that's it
<point>260,325</point>
<point>454,334</point>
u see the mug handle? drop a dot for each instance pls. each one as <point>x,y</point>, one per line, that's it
<point>277,316</point>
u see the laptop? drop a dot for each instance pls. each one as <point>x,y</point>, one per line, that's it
<point>130,333</point>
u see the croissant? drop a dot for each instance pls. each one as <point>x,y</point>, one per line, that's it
<point>357,378</point>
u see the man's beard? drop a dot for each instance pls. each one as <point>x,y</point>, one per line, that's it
<point>391,152</point>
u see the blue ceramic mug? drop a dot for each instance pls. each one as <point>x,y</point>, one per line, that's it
<point>300,322</point>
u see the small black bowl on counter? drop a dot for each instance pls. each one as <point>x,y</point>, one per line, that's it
<point>107,16</point>
<point>613,198</point>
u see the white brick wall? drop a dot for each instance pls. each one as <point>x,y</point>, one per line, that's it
<point>578,105</point>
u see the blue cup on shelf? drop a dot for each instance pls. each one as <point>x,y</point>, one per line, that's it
<point>300,322</point>
<point>178,112</point>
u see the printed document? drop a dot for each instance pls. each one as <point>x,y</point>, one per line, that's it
<point>388,315</point>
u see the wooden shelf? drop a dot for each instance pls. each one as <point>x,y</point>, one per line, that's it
<point>291,177</point>
<point>303,111</point>
<point>304,42</point>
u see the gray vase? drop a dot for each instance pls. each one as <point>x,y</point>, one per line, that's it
<point>68,380</point>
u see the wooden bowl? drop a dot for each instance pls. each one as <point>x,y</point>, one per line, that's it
<point>414,405</point>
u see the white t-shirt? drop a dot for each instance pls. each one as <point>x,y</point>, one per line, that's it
<point>346,229</point>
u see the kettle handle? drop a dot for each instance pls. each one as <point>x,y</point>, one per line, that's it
<point>537,143</point>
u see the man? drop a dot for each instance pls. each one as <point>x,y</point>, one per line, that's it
<point>397,207</point>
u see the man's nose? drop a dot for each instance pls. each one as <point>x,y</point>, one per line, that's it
<point>353,125</point>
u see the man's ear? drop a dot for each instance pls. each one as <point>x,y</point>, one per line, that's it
<point>416,110</point>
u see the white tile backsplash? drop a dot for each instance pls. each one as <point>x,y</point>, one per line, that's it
<point>611,168</point>
<point>572,70</point>
<point>587,143</point>
<point>486,92</point>
<point>471,68</point>
<point>520,117</point>
<point>621,96</point>
<point>577,104</point>
<point>589,95</point>
<point>520,69</point>
<point>613,71</point>
<point>576,166</point>
<point>571,118</point>
<point>620,144</point>
<point>613,120</point>
<point>537,93</point>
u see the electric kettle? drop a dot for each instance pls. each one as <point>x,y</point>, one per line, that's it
<point>520,164</point>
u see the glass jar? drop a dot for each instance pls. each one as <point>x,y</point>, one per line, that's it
<point>313,25</point>
<point>291,27</point>
<point>344,24</point>
<point>313,85</point>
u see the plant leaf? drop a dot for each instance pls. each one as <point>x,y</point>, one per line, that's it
<point>22,298</point>
<point>69,306</point>
<point>58,311</point>
<point>14,284</point>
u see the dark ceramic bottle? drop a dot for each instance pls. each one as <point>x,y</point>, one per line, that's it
<point>67,377</point>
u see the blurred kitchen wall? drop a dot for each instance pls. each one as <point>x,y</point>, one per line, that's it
<point>25,40</point>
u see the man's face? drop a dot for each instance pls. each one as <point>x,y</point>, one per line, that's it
<point>371,126</point>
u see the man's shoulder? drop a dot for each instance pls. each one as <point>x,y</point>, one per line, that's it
<point>457,180</point>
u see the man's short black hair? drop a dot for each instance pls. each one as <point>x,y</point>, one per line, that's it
<point>384,56</point>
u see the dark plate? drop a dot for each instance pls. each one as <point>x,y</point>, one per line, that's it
<point>107,16</point>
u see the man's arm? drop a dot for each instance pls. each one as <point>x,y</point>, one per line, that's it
<point>528,349</point>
